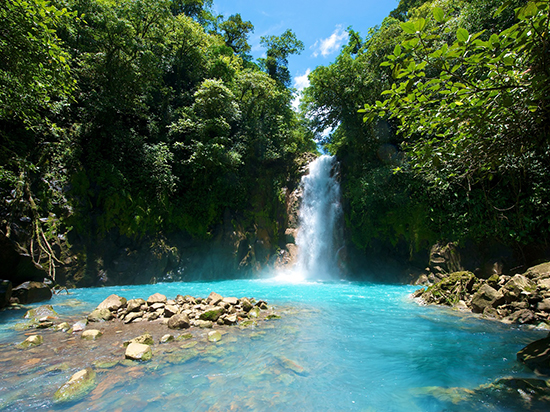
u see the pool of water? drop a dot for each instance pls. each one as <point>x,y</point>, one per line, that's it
<point>339,346</point>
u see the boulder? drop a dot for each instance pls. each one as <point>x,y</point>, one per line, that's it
<point>231,300</point>
<point>246,305</point>
<point>536,355</point>
<point>112,303</point>
<point>230,319</point>
<point>170,310</point>
<point>179,321</point>
<point>203,324</point>
<point>41,312</point>
<point>31,292</point>
<point>91,334</point>
<point>156,298</point>
<point>214,336</point>
<point>544,284</point>
<point>544,305</point>
<point>134,305</point>
<point>518,285</point>
<point>80,384</point>
<point>214,298</point>
<point>31,341</point>
<point>5,293</point>
<point>138,351</point>
<point>100,315</point>
<point>132,316</point>
<point>486,296</point>
<point>211,314</point>
<point>521,316</point>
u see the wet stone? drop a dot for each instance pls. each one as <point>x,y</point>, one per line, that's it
<point>138,351</point>
<point>80,384</point>
<point>91,334</point>
<point>214,336</point>
<point>31,341</point>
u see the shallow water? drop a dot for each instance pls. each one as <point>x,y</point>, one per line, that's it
<point>339,346</point>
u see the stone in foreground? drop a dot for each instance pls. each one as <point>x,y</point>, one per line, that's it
<point>180,321</point>
<point>31,341</point>
<point>214,336</point>
<point>91,334</point>
<point>80,384</point>
<point>138,351</point>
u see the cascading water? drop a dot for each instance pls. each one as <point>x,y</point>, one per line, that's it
<point>320,212</point>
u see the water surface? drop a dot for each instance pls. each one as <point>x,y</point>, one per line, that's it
<point>339,346</point>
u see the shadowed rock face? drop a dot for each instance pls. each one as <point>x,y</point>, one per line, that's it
<point>31,292</point>
<point>536,355</point>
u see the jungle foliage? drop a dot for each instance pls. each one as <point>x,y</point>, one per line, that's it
<point>440,117</point>
<point>136,118</point>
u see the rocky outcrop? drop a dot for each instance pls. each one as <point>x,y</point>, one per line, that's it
<point>31,292</point>
<point>522,298</point>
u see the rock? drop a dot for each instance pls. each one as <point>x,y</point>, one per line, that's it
<point>145,339</point>
<point>31,292</point>
<point>184,336</point>
<point>262,305</point>
<point>254,312</point>
<point>156,298</point>
<point>132,316</point>
<point>544,305</point>
<point>80,384</point>
<point>44,324</point>
<point>100,315</point>
<point>486,296</point>
<point>231,300</point>
<point>211,314</point>
<point>44,311</point>
<point>537,271</point>
<point>91,334</point>
<point>138,351</point>
<point>230,319</point>
<point>213,299</point>
<point>544,284</point>
<point>63,327</point>
<point>134,305</point>
<point>156,306</point>
<point>517,285</point>
<point>5,293</point>
<point>521,316</point>
<point>246,305</point>
<point>112,303</point>
<point>170,310</point>
<point>536,355</point>
<point>179,321</point>
<point>272,316</point>
<point>203,324</point>
<point>31,341</point>
<point>214,336</point>
<point>80,325</point>
<point>166,338</point>
<point>291,365</point>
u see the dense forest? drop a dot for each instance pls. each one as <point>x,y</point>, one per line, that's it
<point>451,142</point>
<point>136,130</point>
<point>127,124</point>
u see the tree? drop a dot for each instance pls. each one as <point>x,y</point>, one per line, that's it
<point>235,33</point>
<point>278,49</point>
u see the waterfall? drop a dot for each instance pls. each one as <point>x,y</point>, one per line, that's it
<point>320,216</point>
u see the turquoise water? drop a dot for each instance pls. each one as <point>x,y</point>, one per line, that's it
<point>355,347</point>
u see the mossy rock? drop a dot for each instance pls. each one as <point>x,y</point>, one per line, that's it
<point>214,336</point>
<point>211,315</point>
<point>31,341</point>
<point>272,316</point>
<point>80,384</point>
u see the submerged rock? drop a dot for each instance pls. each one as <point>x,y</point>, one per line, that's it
<point>31,341</point>
<point>138,351</point>
<point>214,336</point>
<point>536,355</point>
<point>91,334</point>
<point>80,384</point>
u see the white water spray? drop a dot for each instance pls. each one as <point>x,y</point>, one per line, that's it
<point>320,214</point>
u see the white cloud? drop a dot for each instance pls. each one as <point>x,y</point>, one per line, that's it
<point>325,47</point>
<point>300,83</point>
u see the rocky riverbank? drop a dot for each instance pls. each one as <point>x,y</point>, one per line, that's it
<point>122,333</point>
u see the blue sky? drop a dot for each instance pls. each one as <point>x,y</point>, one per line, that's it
<point>320,24</point>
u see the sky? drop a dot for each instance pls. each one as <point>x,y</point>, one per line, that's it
<point>320,24</point>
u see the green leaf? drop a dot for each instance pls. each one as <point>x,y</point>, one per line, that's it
<point>462,35</point>
<point>408,27</point>
<point>529,10</point>
<point>397,50</point>
<point>439,14</point>
<point>420,24</point>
